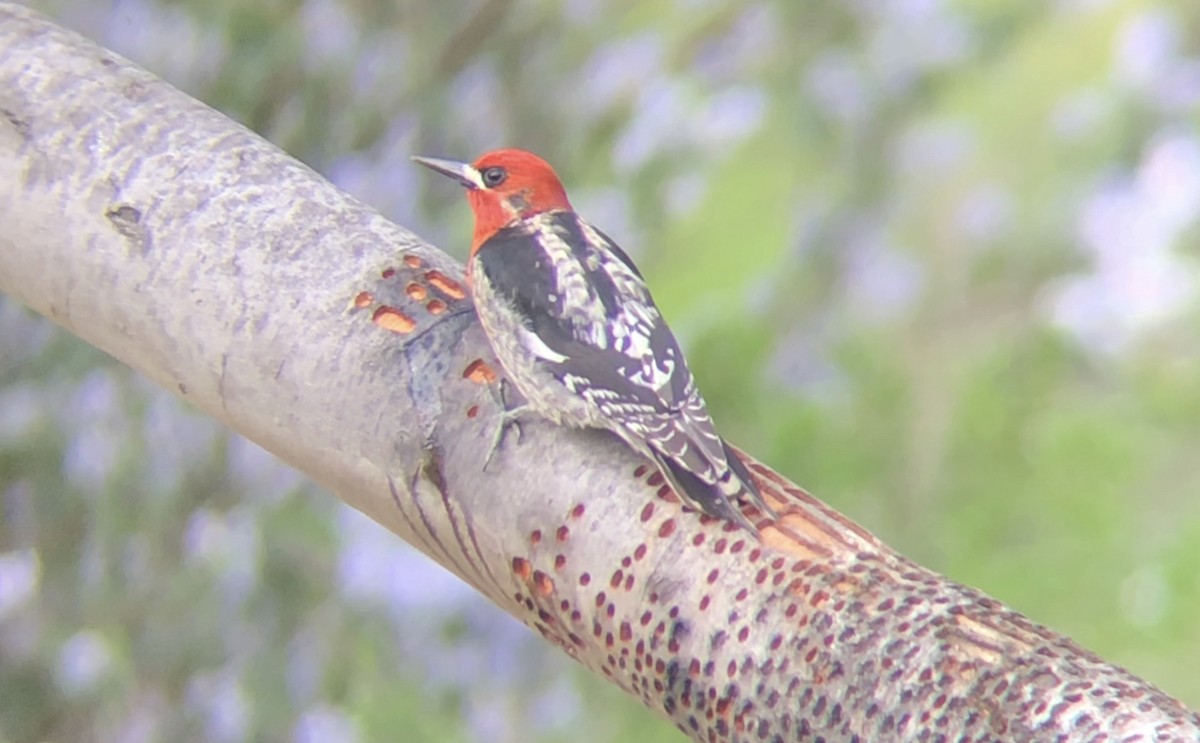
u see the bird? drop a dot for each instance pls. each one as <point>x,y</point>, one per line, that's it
<point>575,329</point>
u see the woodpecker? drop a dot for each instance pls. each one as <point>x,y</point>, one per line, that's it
<point>573,324</point>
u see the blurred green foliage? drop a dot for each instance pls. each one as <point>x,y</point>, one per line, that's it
<point>935,260</point>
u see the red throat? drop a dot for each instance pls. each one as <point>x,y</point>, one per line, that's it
<point>491,215</point>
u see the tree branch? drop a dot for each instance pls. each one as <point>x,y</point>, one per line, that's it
<point>185,246</point>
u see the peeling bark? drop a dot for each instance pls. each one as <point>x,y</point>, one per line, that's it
<point>172,238</point>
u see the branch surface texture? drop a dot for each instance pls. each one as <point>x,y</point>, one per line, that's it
<point>182,244</point>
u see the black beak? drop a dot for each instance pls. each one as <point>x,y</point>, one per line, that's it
<point>461,172</point>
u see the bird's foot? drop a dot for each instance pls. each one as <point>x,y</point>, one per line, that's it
<point>509,417</point>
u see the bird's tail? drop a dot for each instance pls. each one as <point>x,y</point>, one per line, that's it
<point>717,493</point>
<point>749,488</point>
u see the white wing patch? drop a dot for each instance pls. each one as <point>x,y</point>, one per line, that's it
<point>538,347</point>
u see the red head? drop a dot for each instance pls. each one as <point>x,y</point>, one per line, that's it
<point>504,186</point>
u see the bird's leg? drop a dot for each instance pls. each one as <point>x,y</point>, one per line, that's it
<point>509,417</point>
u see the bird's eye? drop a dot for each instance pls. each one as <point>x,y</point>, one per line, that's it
<point>494,176</point>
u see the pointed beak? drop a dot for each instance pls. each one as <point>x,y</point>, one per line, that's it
<point>461,172</point>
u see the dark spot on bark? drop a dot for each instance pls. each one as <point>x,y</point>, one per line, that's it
<point>128,221</point>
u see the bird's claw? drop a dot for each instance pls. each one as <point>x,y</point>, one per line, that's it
<point>509,417</point>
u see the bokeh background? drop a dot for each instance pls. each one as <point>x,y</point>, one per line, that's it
<point>933,259</point>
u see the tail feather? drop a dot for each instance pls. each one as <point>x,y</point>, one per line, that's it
<point>700,466</point>
<point>717,497</point>
<point>748,488</point>
<point>709,497</point>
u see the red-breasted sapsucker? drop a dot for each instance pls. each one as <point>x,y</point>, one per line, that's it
<point>571,321</point>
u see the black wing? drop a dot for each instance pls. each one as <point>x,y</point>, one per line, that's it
<point>590,306</point>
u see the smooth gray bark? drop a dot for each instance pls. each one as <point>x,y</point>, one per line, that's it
<point>187,247</point>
